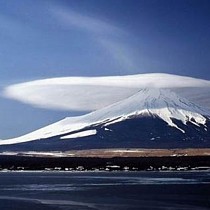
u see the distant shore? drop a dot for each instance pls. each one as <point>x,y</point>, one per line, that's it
<point>110,153</point>
<point>108,160</point>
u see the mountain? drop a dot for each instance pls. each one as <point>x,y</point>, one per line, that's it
<point>151,118</point>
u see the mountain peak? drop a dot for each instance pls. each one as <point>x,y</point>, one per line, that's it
<point>158,103</point>
<point>162,103</point>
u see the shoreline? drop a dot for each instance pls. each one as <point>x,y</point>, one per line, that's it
<point>111,153</point>
<point>169,163</point>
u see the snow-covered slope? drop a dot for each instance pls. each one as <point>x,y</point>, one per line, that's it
<point>157,103</point>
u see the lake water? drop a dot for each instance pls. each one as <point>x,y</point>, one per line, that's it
<point>104,190</point>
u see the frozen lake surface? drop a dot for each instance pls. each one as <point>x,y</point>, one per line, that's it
<point>104,190</point>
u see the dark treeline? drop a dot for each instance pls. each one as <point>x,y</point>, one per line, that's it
<point>143,163</point>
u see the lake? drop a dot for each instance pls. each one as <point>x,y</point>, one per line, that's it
<point>105,190</point>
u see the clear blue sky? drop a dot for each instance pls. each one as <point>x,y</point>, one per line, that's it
<point>41,39</point>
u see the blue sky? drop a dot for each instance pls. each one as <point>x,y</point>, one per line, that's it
<point>42,39</point>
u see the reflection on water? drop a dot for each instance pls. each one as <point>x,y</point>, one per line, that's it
<point>105,191</point>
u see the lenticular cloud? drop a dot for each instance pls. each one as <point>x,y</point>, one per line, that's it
<point>92,93</point>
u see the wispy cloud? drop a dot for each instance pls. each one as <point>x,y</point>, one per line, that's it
<point>120,52</point>
<point>104,33</point>
<point>70,18</point>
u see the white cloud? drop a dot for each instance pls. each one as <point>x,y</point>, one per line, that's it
<point>92,93</point>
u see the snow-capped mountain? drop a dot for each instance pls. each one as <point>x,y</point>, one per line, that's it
<point>151,117</point>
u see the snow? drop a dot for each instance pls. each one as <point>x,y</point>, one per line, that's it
<point>80,134</point>
<point>161,103</point>
<point>68,93</point>
<point>107,129</point>
<point>126,150</point>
